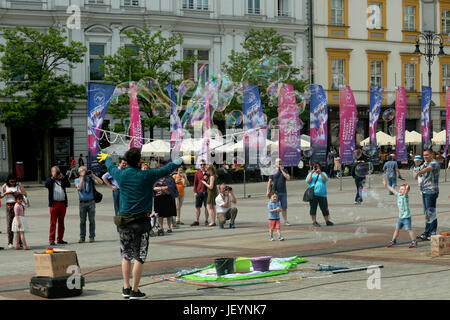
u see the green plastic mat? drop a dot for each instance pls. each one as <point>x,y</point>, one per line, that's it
<point>277,266</point>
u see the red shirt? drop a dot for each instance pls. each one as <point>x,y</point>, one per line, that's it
<point>198,185</point>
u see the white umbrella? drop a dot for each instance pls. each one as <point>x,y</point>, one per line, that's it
<point>117,149</point>
<point>157,147</point>
<point>413,137</point>
<point>439,138</point>
<point>383,139</point>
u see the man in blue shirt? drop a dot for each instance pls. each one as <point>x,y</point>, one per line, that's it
<point>85,186</point>
<point>112,183</point>
<point>136,200</point>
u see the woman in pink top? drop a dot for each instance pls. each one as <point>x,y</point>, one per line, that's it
<point>19,224</point>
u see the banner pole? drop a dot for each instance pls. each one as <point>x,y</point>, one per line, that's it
<point>446,165</point>
<point>245,194</point>
<point>340,179</point>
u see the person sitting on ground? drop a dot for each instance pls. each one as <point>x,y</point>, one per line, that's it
<point>224,209</point>
<point>274,207</point>
<point>404,214</point>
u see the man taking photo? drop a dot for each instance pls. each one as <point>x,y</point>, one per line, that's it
<point>223,206</point>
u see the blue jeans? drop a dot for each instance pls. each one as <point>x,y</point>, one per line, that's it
<point>392,182</point>
<point>359,184</point>
<point>429,201</point>
<point>116,197</point>
<point>87,210</point>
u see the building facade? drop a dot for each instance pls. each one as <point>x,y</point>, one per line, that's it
<point>211,29</point>
<point>360,43</point>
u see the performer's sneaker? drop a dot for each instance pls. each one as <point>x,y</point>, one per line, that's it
<point>413,244</point>
<point>392,243</point>
<point>126,293</point>
<point>329,223</point>
<point>137,295</point>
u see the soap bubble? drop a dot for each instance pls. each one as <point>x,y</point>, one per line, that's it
<point>363,169</point>
<point>360,230</point>
<point>161,110</point>
<point>430,215</point>
<point>234,118</point>
<point>369,151</point>
<point>269,70</point>
<point>274,123</point>
<point>357,153</point>
<point>388,115</point>
<point>307,153</point>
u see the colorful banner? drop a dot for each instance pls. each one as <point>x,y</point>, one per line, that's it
<point>252,117</point>
<point>135,118</point>
<point>376,98</point>
<point>447,121</point>
<point>99,95</point>
<point>401,154</point>
<point>318,124</point>
<point>176,129</point>
<point>289,136</point>
<point>348,118</point>
<point>426,101</point>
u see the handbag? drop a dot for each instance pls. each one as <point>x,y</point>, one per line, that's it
<point>309,192</point>
<point>97,195</point>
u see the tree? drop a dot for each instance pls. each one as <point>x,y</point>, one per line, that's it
<point>257,45</point>
<point>38,91</point>
<point>149,55</point>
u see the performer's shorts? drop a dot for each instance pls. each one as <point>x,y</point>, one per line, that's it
<point>134,240</point>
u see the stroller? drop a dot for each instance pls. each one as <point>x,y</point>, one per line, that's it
<point>156,229</point>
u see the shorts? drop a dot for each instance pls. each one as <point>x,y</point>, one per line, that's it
<point>201,199</point>
<point>274,224</point>
<point>404,222</point>
<point>134,240</point>
<point>282,197</point>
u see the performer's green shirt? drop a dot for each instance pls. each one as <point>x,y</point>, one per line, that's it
<point>136,186</point>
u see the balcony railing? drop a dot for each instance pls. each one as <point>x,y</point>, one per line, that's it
<point>283,13</point>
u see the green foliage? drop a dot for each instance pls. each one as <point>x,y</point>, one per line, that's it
<point>154,57</point>
<point>257,45</point>
<point>38,91</point>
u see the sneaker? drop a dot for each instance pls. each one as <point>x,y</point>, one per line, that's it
<point>316,224</point>
<point>137,295</point>
<point>287,223</point>
<point>423,237</point>
<point>91,240</point>
<point>232,226</point>
<point>169,230</point>
<point>51,243</point>
<point>62,242</point>
<point>428,238</point>
<point>280,238</point>
<point>221,226</point>
<point>195,223</point>
<point>126,293</point>
<point>392,243</point>
<point>413,244</point>
<point>81,240</point>
<point>329,223</point>
<point>160,232</point>
<point>206,223</point>
<point>270,239</point>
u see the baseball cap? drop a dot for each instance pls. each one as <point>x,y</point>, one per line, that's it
<point>418,158</point>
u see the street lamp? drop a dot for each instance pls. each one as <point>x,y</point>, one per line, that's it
<point>429,39</point>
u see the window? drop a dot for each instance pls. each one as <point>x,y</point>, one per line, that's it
<point>374,20</point>
<point>337,12</point>
<point>254,7</point>
<point>377,62</point>
<point>95,51</point>
<point>410,77</point>
<point>376,73</point>
<point>338,18</point>
<point>96,1</point>
<point>445,27</point>
<point>131,3</point>
<point>337,73</point>
<point>195,4</point>
<point>410,18</point>
<point>202,59</point>
<point>134,48</point>
<point>283,9</point>
<point>445,77</point>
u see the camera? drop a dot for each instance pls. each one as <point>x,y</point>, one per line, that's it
<point>89,172</point>
<point>228,188</point>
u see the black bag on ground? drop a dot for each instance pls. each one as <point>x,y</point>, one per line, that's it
<point>47,287</point>
<point>309,193</point>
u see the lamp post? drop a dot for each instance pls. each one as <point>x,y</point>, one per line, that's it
<point>429,38</point>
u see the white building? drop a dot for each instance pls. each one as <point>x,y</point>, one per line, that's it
<point>359,43</point>
<point>211,29</point>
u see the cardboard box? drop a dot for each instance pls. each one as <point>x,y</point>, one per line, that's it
<point>440,245</point>
<point>54,264</point>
